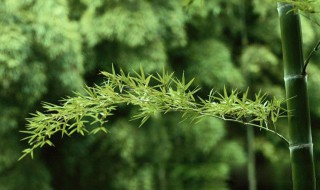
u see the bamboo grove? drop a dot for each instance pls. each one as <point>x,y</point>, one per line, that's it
<point>92,34</point>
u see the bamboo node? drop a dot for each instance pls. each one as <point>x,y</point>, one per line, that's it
<point>297,76</point>
<point>284,5</point>
<point>300,146</point>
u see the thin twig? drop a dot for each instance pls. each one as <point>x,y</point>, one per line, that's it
<point>249,124</point>
<point>304,72</point>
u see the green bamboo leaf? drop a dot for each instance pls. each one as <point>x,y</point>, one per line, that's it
<point>27,151</point>
<point>183,80</point>
<point>245,95</point>
<point>113,70</point>
<point>144,119</point>
<point>225,92</point>
<point>189,84</point>
<point>48,142</point>
<point>148,80</point>
<point>28,132</point>
<point>73,131</point>
<point>103,129</point>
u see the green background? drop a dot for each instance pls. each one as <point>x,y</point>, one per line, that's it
<point>49,49</point>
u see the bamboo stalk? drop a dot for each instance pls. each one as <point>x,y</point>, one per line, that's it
<point>251,159</point>
<point>251,162</point>
<point>301,147</point>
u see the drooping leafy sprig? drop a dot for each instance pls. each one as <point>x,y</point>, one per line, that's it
<point>162,93</point>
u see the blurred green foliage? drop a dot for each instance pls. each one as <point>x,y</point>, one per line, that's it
<point>50,48</point>
<point>157,157</point>
<point>220,67</point>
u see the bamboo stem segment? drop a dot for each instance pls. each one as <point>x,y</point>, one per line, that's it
<point>301,147</point>
<point>251,159</point>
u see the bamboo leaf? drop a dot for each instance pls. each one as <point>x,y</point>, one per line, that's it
<point>225,92</point>
<point>189,84</point>
<point>245,95</point>
<point>144,119</point>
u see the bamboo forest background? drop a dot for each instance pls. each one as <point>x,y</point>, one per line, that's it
<point>48,49</point>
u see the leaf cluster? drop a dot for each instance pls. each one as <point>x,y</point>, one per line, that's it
<point>161,93</point>
<point>307,6</point>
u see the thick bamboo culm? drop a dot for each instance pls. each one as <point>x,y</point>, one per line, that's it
<point>301,147</point>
